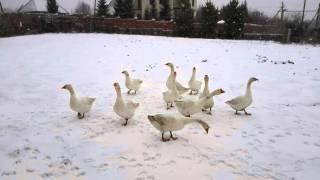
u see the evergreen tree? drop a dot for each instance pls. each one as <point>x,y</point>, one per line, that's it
<point>52,6</point>
<point>165,12</point>
<point>128,9</point>
<point>102,9</point>
<point>184,18</point>
<point>118,7</point>
<point>209,18</point>
<point>147,15</point>
<point>244,10</point>
<point>124,8</point>
<point>153,10</point>
<point>234,20</point>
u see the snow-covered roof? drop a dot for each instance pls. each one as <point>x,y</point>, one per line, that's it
<point>29,6</point>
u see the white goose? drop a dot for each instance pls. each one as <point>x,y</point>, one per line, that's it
<point>210,103</point>
<point>181,89</point>
<point>81,105</point>
<point>171,94</point>
<point>166,122</point>
<point>242,102</point>
<point>132,84</point>
<point>124,109</point>
<point>187,107</point>
<point>194,85</point>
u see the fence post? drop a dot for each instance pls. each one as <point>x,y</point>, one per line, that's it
<point>289,35</point>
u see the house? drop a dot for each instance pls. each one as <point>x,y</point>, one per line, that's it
<point>140,6</point>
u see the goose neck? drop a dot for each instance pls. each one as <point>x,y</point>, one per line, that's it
<point>193,120</point>
<point>193,75</point>
<point>72,92</point>
<point>248,90</point>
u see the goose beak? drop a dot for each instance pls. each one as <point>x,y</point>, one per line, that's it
<point>122,72</point>
<point>222,91</point>
<point>167,64</point>
<point>207,130</point>
<point>63,87</point>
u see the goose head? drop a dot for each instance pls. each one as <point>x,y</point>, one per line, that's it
<point>253,79</point>
<point>175,74</point>
<point>68,87</point>
<point>116,86</point>
<point>194,69</point>
<point>218,91</point>
<point>169,64</point>
<point>206,78</point>
<point>125,73</point>
<point>150,117</point>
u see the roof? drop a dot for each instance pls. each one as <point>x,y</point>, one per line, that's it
<point>37,5</point>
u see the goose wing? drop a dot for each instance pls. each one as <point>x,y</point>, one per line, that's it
<point>137,81</point>
<point>181,88</point>
<point>86,100</point>
<point>235,101</point>
<point>158,118</point>
<point>132,104</point>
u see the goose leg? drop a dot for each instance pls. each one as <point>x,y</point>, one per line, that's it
<point>246,113</point>
<point>135,92</point>
<point>168,106</point>
<point>171,105</point>
<point>125,123</point>
<point>164,139</point>
<point>171,136</point>
<point>129,91</point>
<point>210,113</point>
<point>236,113</point>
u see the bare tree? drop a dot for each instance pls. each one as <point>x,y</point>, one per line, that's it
<point>83,8</point>
<point>257,17</point>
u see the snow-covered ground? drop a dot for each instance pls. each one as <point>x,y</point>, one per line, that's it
<point>40,137</point>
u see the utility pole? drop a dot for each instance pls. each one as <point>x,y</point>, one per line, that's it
<point>304,9</point>
<point>282,11</point>
<point>1,9</point>
<point>318,16</point>
<point>94,7</point>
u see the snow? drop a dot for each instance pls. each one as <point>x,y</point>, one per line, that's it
<point>221,22</point>
<point>40,137</point>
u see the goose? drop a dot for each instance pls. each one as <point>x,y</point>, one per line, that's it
<point>172,94</point>
<point>240,103</point>
<point>168,123</point>
<point>124,109</point>
<point>81,105</point>
<point>194,85</point>
<point>132,84</point>
<point>187,107</point>
<point>210,103</point>
<point>181,89</point>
